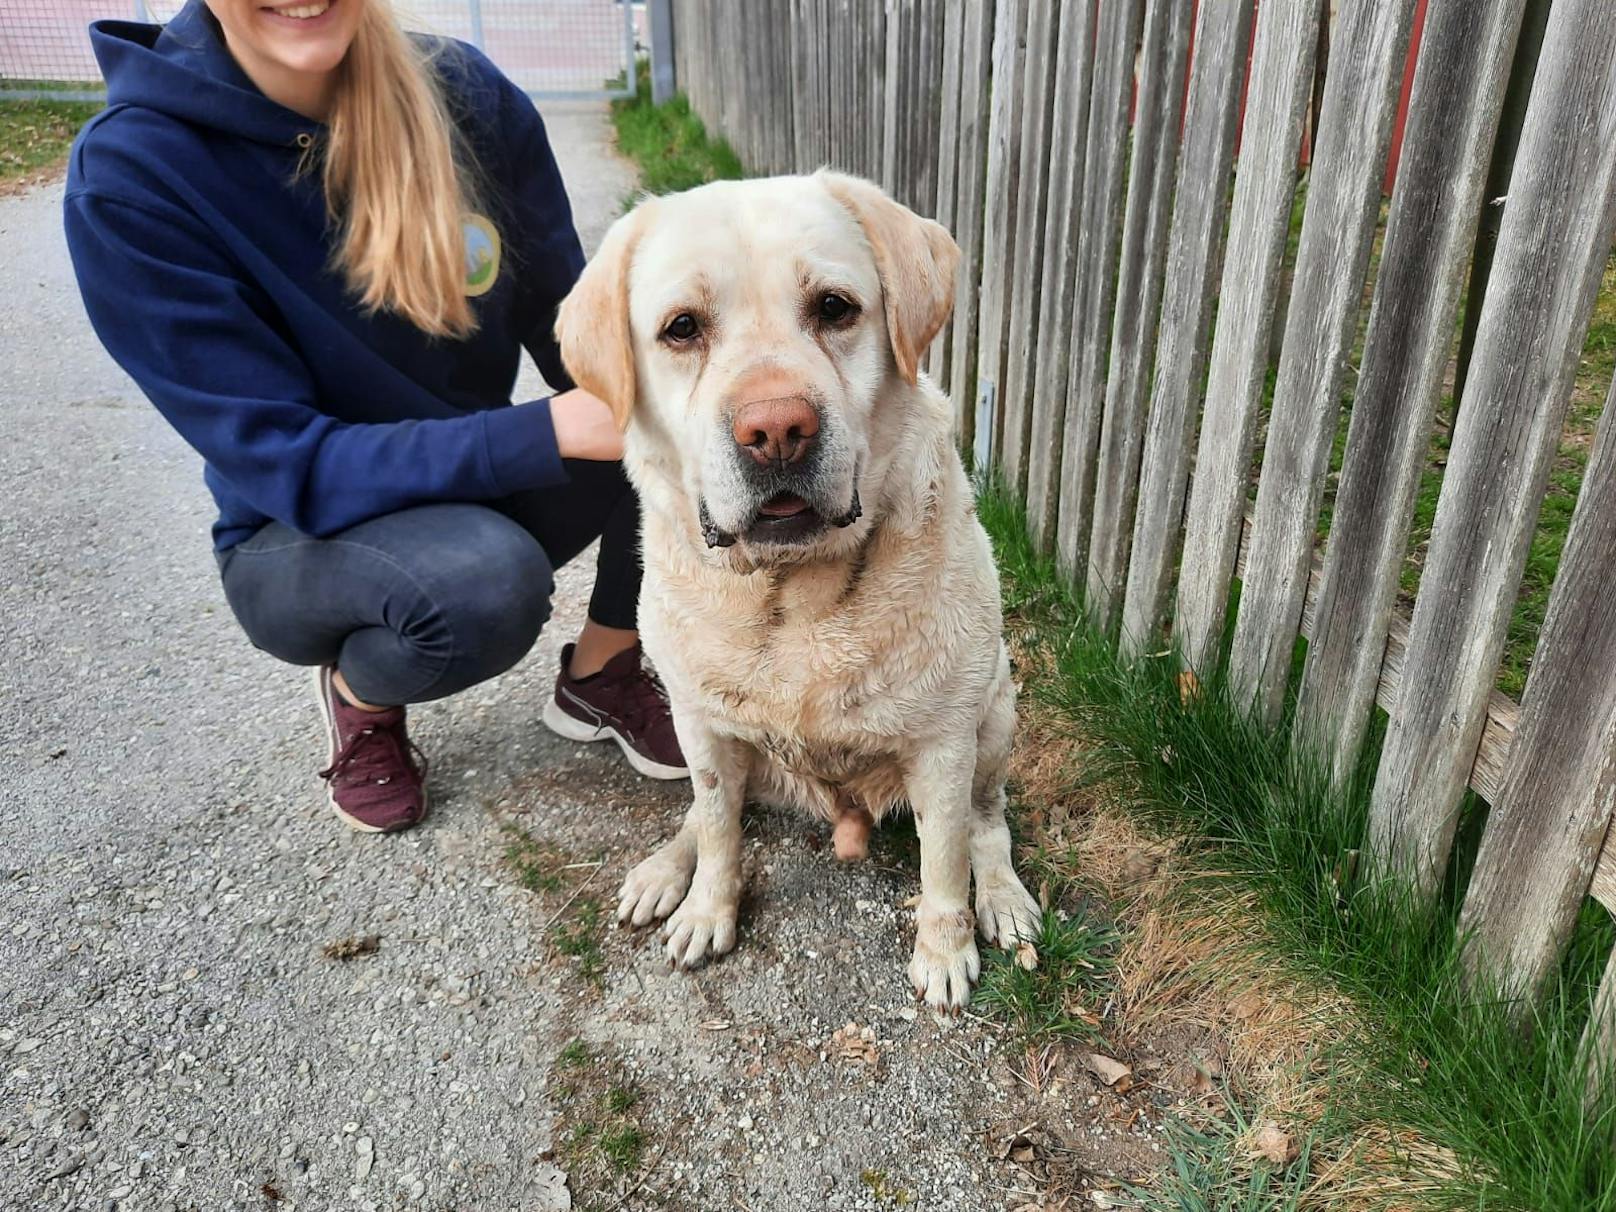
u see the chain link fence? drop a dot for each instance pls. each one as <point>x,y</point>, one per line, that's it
<point>551,48</point>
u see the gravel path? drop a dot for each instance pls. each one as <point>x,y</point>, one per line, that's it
<point>173,1034</point>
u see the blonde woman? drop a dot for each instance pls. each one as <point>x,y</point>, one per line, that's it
<point>319,246</point>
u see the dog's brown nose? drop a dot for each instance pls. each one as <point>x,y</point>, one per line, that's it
<point>776,431</point>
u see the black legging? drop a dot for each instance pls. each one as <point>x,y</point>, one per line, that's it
<point>425,602</point>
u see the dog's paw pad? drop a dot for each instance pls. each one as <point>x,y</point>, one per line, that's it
<point>700,928</point>
<point>945,965</point>
<point>653,889</point>
<point>1007,915</point>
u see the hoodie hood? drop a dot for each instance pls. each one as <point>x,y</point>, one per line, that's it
<point>184,69</point>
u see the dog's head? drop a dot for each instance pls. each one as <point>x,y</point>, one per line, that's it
<point>747,334</point>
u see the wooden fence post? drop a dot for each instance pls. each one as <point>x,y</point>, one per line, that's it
<point>1459,84</point>
<point>1552,249</point>
<point>1098,238</point>
<point>1548,825</point>
<point>1037,90</point>
<point>1057,287</point>
<point>1281,72</point>
<point>948,139</point>
<point>981,17</point>
<point>1139,289</point>
<point>998,224</point>
<point>1369,52</point>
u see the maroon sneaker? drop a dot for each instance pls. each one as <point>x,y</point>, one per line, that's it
<point>375,777</point>
<point>625,703</point>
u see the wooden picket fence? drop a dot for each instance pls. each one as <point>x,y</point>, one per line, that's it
<point>1110,201</point>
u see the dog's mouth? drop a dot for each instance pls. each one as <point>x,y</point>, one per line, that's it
<point>785,519</point>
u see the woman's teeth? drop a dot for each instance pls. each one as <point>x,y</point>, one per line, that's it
<point>304,12</point>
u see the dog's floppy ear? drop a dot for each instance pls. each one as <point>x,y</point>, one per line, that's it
<point>916,259</point>
<point>592,325</point>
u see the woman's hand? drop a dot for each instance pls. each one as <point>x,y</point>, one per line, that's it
<point>585,427</point>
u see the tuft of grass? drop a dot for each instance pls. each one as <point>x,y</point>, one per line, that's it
<point>669,143</point>
<point>1055,1000</point>
<point>884,1191</point>
<point>622,1146</point>
<point>579,938</point>
<point>1212,1169</point>
<point>599,1123</point>
<point>1431,1054</point>
<point>538,866</point>
<point>35,135</point>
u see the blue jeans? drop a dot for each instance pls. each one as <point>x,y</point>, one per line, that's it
<point>422,603</point>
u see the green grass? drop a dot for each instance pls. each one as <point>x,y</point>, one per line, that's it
<point>1430,1056</point>
<point>579,938</point>
<point>1208,1172</point>
<point>1058,999</point>
<point>669,143</point>
<point>35,135</point>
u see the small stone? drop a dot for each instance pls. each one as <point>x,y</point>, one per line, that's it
<point>351,1127</point>
<point>69,1166</point>
<point>77,1121</point>
<point>744,1123</point>
<point>27,1045</point>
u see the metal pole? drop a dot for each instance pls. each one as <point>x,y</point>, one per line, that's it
<point>476,7</point>
<point>663,83</point>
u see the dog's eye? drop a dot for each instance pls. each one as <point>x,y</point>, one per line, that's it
<point>682,328</point>
<point>834,309</point>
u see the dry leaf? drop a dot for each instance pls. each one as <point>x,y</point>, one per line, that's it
<point>855,1044</point>
<point>1018,1146</point>
<point>1189,687</point>
<point>1108,1070</point>
<point>1026,956</point>
<point>1276,1144</point>
<point>353,945</point>
<point>1247,1006</point>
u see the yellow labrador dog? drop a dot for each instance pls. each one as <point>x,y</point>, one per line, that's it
<point>820,598</point>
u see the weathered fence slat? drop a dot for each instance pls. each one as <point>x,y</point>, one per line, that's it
<point>1547,828</point>
<point>1368,52</point>
<point>975,56</point>
<point>948,140</point>
<point>875,52</point>
<point>1098,238</point>
<point>1151,173</point>
<point>891,99</point>
<point>1598,1049</point>
<point>1552,246</point>
<point>1281,74</point>
<point>1037,80</point>
<point>1057,287</point>
<point>924,132</point>
<point>1459,84</point>
<point>1194,254</point>
<point>998,223</point>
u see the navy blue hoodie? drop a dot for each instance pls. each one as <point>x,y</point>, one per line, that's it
<point>204,260</point>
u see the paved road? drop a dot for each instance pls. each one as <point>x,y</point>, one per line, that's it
<point>171,1033</point>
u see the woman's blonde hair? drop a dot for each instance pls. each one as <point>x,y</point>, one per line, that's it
<point>397,181</point>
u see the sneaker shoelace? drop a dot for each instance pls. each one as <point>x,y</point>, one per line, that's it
<point>646,698</point>
<point>375,753</point>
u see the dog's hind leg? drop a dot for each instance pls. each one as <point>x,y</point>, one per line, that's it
<point>1006,914</point>
<point>850,838</point>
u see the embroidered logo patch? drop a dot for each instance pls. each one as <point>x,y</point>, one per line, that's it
<point>482,255</point>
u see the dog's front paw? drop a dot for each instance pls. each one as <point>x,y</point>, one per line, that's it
<point>658,884</point>
<point>1006,913</point>
<point>702,926</point>
<point>945,963</point>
